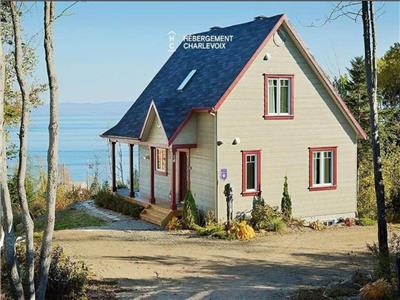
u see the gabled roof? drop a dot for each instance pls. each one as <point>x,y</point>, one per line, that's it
<point>217,72</point>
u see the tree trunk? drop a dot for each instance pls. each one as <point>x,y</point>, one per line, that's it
<point>7,215</point>
<point>23,139</point>
<point>371,75</point>
<point>52,154</point>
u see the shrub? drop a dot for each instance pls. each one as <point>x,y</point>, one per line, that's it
<point>265,217</point>
<point>209,230</point>
<point>190,214</point>
<point>109,200</point>
<point>317,225</point>
<point>366,222</point>
<point>286,203</point>
<point>174,224</point>
<point>243,231</point>
<point>67,279</point>
<point>379,289</point>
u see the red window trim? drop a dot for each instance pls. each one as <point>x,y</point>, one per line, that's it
<point>244,173</point>
<point>161,173</point>
<point>277,117</point>
<point>311,167</point>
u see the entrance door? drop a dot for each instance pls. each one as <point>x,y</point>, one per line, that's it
<point>183,178</point>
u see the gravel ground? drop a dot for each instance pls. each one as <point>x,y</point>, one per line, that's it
<point>152,264</point>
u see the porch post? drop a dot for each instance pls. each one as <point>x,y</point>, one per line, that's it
<point>173,192</point>
<point>131,172</point>
<point>152,200</point>
<point>113,174</point>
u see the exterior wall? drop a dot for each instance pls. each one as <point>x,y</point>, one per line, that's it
<point>284,143</point>
<point>202,163</point>
<point>188,134</point>
<point>162,183</point>
<point>156,134</point>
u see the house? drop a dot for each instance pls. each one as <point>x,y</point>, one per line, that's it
<point>246,105</point>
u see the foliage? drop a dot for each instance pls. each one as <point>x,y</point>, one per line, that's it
<point>109,200</point>
<point>190,214</point>
<point>366,222</point>
<point>379,262</point>
<point>266,217</point>
<point>379,289</point>
<point>210,229</point>
<point>70,218</point>
<point>286,202</point>
<point>243,231</point>
<point>68,279</point>
<point>317,225</point>
<point>174,224</point>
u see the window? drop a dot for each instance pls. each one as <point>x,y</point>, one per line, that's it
<point>251,173</point>
<point>278,94</point>
<point>161,161</point>
<point>323,165</point>
<point>186,80</point>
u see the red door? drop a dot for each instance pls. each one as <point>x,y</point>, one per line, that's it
<point>183,178</point>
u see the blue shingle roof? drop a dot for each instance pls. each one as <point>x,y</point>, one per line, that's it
<point>216,70</point>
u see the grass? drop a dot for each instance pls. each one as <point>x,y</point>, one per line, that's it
<point>70,218</point>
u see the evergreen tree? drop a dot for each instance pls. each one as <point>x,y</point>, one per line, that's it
<point>190,214</point>
<point>286,203</point>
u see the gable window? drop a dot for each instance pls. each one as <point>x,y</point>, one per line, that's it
<point>161,161</point>
<point>322,168</point>
<point>251,173</point>
<point>278,97</point>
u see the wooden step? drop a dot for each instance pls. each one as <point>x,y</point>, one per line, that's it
<point>156,215</point>
<point>151,219</point>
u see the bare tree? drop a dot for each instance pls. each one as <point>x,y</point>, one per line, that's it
<point>23,140</point>
<point>52,154</point>
<point>7,220</point>
<point>372,85</point>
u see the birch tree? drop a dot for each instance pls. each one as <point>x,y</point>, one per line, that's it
<point>52,154</point>
<point>23,140</point>
<point>7,220</point>
<point>372,85</point>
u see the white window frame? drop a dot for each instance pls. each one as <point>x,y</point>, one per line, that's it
<point>278,95</point>
<point>322,169</point>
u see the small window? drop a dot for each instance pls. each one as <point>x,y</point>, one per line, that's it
<point>161,161</point>
<point>251,173</point>
<point>278,97</point>
<point>186,80</point>
<point>323,168</point>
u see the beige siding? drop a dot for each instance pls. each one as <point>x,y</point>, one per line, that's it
<point>162,183</point>
<point>188,134</point>
<point>156,134</point>
<point>202,162</point>
<point>284,143</point>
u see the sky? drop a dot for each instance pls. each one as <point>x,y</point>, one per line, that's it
<point>109,51</point>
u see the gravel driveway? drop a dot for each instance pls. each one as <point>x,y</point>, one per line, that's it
<point>153,264</point>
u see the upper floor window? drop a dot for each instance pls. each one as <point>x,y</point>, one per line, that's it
<point>279,100</point>
<point>323,168</point>
<point>161,161</point>
<point>251,173</point>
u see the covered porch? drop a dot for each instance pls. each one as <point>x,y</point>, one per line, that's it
<point>163,176</point>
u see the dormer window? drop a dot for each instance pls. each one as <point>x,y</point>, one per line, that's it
<point>186,80</point>
<point>278,97</point>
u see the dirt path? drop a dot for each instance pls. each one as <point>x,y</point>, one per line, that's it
<point>165,265</point>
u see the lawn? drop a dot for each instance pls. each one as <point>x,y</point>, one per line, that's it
<point>70,218</point>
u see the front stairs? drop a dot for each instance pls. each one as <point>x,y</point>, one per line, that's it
<point>157,215</point>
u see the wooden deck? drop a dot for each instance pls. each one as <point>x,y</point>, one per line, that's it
<point>159,213</point>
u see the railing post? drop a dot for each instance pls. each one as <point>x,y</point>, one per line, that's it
<point>152,199</point>
<point>113,171</point>
<point>131,172</point>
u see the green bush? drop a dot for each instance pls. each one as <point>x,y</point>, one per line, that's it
<point>209,229</point>
<point>68,279</point>
<point>266,217</point>
<point>366,222</point>
<point>109,200</point>
<point>286,203</point>
<point>190,214</point>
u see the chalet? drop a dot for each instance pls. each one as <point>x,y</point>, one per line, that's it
<point>248,113</point>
